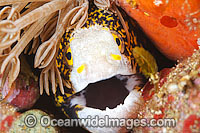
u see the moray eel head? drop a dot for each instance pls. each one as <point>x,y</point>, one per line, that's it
<point>96,56</point>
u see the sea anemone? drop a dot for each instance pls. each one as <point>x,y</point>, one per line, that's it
<point>42,21</point>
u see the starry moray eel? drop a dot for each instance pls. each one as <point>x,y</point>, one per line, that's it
<point>98,51</point>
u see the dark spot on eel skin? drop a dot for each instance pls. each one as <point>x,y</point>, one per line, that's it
<point>118,41</point>
<point>69,56</point>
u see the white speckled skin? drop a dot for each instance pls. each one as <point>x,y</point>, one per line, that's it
<point>93,47</point>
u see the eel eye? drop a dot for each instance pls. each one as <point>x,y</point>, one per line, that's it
<point>68,56</point>
<point>118,39</point>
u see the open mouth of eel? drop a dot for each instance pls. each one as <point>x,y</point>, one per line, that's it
<point>106,94</point>
<point>113,98</point>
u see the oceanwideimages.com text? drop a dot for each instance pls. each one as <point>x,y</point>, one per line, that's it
<point>106,121</point>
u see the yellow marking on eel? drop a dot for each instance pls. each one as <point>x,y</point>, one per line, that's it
<point>81,68</point>
<point>105,28</point>
<point>77,107</point>
<point>65,113</point>
<point>116,57</point>
<point>72,38</point>
<point>68,94</point>
<point>60,99</point>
